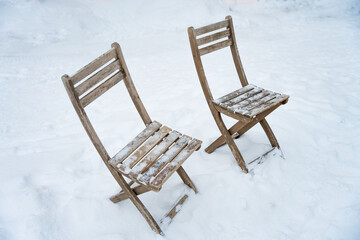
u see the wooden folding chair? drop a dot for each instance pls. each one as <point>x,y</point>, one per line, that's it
<point>249,104</point>
<point>152,156</point>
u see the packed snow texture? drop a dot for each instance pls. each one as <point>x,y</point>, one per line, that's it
<point>53,184</point>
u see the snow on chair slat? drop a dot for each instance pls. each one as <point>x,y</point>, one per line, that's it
<point>98,77</point>
<point>257,96</point>
<point>94,65</point>
<point>131,161</point>
<point>173,165</point>
<point>280,98</point>
<point>157,151</point>
<point>164,159</point>
<point>242,97</point>
<point>134,144</point>
<point>234,94</point>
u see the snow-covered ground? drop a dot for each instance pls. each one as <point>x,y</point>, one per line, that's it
<point>53,184</point>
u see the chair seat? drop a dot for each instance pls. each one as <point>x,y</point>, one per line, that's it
<point>249,101</point>
<point>154,155</point>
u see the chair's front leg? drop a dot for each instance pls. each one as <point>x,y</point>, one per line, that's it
<point>230,141</point>
<point>136,201</point>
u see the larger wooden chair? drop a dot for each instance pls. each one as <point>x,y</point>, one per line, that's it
<point>249,104</point>
<point>154,154</point>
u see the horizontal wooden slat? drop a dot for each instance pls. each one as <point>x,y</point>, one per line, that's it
<point>253,97</point>
<point>175,164</point>
<point>135,143</point>
<point>146,162</point>
<point>255,110</point>
<point>211,27</point>
<point>215,47</point>
<point>101,89</point>
<point>130,162</point>
<point>92,66</point>
<point>93,80</point>
<point>213,37</point>
<point>164,159</point>
<point>243,97</point>
<point>234,94</point>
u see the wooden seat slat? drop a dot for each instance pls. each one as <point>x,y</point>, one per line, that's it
<point>175,164</point>
<point>131,161</point>
<point>251,100</point>
<point>157,151</point>
<point>234,94</point>
<point>135,143</point>
<point>98,77</point>
<point>280,98</point>
<point>164,159</point>
<point>243,97</point>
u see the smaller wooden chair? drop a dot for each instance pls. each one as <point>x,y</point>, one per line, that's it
<point>154,154</point>
<point>249,104</point>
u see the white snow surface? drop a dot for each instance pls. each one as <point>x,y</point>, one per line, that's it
<point>53,184</point>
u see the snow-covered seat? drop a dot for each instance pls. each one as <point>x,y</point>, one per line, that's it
<point>154,155</point>
<point>248,102</point>
<point>148,160</point>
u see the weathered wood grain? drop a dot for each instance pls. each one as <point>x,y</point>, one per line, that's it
<point>213,37</point>
<point>101,89</point>
<point>211,27</point>
<point>215,47</point>
<point>93,66</point>
<point>98,77</point>
<point>135,143</point>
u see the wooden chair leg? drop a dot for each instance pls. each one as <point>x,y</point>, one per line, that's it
<point>230,142</point>
<point>269,133</point>
<point>220,141</point>
<point>186,179</point>
<point>138,204</point>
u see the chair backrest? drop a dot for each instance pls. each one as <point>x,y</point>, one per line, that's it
<point>95,79</point>
<point>214,36</point>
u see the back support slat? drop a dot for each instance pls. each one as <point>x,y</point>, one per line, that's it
<point>211,27</point>
<point>103,73</point>
<point>91,67</point>
<point>215,47</point>
<point>101,89</point>
<point>213,37</point>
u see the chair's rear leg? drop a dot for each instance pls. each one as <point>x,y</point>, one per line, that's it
<point>186,179</point>
<point>138,204</point>
<point>230,142</point>
<point>269,133</point>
